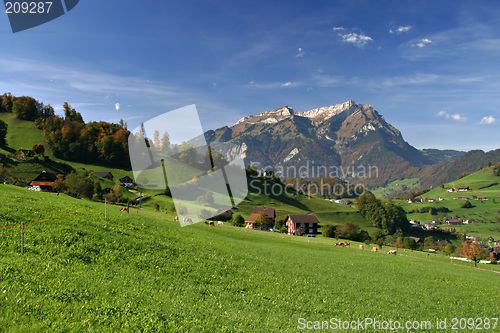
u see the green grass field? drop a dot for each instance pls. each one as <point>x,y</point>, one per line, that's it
<point>142,272</point>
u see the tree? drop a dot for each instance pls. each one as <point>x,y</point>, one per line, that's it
<point>449,249</point>
<point>348,231</point>
<point>329,231</point>
<point>208,198</point>
<point>466,204</point>
<point>79,185</point>
<point>3,132</point>
<point>238,220</point>
<point>39,149</point>
<point>410,243</point>
<point>165,143</point>
<point>398,243</point>
<point>117,191</point>
<point>429,242</point>
<point>474,251</point>
<point>262,220</point>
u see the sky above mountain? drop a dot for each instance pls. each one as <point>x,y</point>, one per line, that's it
<point>432,68</point>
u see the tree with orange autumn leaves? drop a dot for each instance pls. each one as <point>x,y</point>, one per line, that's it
<point>473,251</point>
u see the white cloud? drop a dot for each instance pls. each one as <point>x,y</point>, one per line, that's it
<point>490,120</point>
<point>289,84</point>
<point>337,28</point>
<point>117,106</point>
<point>454,116</point>
<point>356,39</point>
<point>400,29</point>
<point>301,53</point>
<point>272,85</point>
<point>423,42</point>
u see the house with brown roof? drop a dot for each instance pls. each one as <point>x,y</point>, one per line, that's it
<point>302,224</point>
<point>45,181</point>
<point>453,222</point>
<point>463,189</point>
<point>270,212</point>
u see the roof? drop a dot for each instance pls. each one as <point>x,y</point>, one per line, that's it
<point>127,179</point>
<point>270,212</point>
<point>45,177</point>
<point>252,217</point>
<point>303,218</point>
<point>416,239</point>
<point>103,173</point>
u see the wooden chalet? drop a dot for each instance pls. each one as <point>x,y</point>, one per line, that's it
<point>302,224</point>
<point>45,180</point>
<point>126,181</point>
<point>104,174</point>
<point>463,189</point>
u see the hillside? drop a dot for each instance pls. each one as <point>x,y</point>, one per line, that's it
<point>142,272</point>
<point>486,213</point>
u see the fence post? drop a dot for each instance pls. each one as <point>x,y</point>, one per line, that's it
<point>22,237</point>
<point>105,209</point>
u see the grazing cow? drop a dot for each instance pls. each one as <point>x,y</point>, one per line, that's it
<point>375,249</point>
<point>123,209</point>
<point>361,247</point>
<point>347,244</point>
<point>176,218</point>
<point>209,222</point>
<point>392,252</point>
<point>220,223</point>
<point>187,220</point>
<point>339,244</point>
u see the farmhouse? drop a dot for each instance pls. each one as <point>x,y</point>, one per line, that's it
<point>463,189</point>
<point>451,190</point>
<point>126,181</point>
<point>270,214</point>
<point>491,240</point>
<point>302,224</point>
<point>440,198</point>
<point>460,197</point>
<point>23,153</point>
<point>104,174</point>
<point>453,222</point>
<point>479,197</point>
<point>45,181</point>
<point>430,200</point>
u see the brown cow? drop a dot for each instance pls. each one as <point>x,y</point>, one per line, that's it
<point>123,209</point>
<point>209,222</point>
<point>374,249</point>
<point>392,252</point>
<point>176,218</point>
<point>220,223</point>
<point>361,247</point>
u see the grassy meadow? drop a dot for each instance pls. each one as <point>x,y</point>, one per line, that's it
<point>143,272</point>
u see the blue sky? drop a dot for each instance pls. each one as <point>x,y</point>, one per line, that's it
<point>432,68</point>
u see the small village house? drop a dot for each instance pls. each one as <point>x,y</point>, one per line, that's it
<point>104,174</point>
<point>453,222</point>
<point>126,181</point>
<point>302,224</point>
<point>269,213</point>
<point>463,189</point>
<point>45,180</point>
<point>24,153</point>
